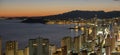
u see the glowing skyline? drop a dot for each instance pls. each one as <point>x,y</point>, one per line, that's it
<point>51,7</point>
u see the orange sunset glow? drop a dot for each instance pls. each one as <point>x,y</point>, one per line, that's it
<point>44,8</point>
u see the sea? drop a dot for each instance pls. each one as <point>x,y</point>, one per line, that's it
<point>11,30</point>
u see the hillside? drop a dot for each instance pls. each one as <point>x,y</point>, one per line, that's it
<point>74,15</point>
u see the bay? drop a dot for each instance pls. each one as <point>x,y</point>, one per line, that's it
<point>22,32</point>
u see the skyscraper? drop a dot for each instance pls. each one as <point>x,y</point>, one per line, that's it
<point>0,46</point>
<point>39,46</point>
<point>76,44</point>
<point>11,47</point>
<point>67,42</point>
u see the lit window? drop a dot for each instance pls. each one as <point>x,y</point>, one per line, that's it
<point>43,44</point>
<point>35,44</point>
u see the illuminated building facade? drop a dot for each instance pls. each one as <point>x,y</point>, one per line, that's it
<point>11,47</point>
<point>59,52</point>
<point>39,46</point>
<point>76,45</point>
<point>52,49</point>
<point>26,51</point>
<point>20,52</point>
<point>67,42</point>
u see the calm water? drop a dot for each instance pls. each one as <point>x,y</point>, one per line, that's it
<point>22,32</point>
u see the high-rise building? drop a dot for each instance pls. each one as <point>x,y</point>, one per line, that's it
<point>118,36</point>
<point>67,41</point>
<point>11,47</point>
<point>0,46</point>
<point>94,28</point>
<point>20,52</point>
<point>108,45</point>
<point>39,46</point>
<point>26,51</point>
<point>79,45</point>
<point>52,49</point>
<point>76,44</point>
<point>59,52</point>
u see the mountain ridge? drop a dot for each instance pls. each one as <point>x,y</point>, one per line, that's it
<point>75,14</point>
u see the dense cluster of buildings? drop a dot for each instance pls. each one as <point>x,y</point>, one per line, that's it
<point>98,37</point>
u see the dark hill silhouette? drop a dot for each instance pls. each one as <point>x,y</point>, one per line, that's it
<point>74,15</point>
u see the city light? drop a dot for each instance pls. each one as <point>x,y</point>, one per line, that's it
<point>96,37</point>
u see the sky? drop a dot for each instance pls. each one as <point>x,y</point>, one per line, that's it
<point>11,8</point>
